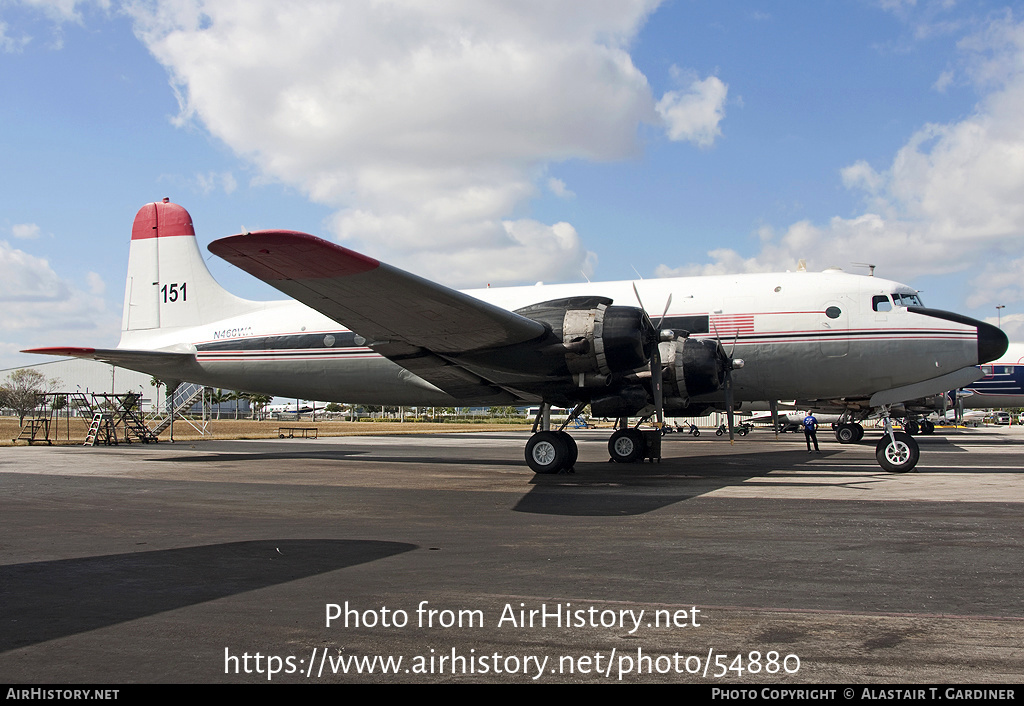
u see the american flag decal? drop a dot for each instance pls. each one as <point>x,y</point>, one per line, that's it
<point>724,325</point>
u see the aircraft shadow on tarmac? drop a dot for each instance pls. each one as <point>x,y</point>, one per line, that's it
<point>610,489</point>
<point>45,600</point>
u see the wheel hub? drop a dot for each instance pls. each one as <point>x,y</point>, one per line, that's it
<point>544,453</point>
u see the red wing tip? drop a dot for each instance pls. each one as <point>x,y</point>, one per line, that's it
<point>289,254</point>
<point>62,350</point>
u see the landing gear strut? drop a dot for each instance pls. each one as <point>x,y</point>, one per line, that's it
<point>896,452</point>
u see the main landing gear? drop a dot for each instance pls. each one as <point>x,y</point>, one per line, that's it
<point>554,451</point>
<point>626,446</point>
<point>849,432</point>
<point>551,451</point>
<point>913,426</point>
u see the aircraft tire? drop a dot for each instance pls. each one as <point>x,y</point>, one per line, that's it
<point>898,458</point>
<point>927,427</point>
<point>626,446</point>
<point>574,451</point>
<point>858,432</point>
<point>846,433</point>
<point>547,452</point>
<point>911,426</point>
<point>695,432</point>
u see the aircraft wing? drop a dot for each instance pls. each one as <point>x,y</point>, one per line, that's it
<point>950,381</point>
<point>412,321</point>
<point>167,366</point>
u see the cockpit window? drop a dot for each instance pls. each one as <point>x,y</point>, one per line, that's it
<point>881,303</point>
<point>903,299</point>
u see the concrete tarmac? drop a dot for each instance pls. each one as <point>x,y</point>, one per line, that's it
<point>743,564</point>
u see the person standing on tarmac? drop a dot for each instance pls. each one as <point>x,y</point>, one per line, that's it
<point>810,432</point>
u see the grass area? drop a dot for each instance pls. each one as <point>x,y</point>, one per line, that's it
<point>74,432</point>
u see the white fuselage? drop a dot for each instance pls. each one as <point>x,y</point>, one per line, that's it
<point>801,335</point>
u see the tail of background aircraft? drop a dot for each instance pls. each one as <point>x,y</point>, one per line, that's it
<point>168,284</point>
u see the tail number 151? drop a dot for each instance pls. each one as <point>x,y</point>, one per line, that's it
<point>173,292</point>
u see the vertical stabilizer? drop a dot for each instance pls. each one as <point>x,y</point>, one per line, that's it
<point>168,284</point>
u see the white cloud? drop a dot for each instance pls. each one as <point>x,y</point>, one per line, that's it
<point>694,115</point>
<point>65,10</point>
<point>424,124</point>
<point>950,200</point>
<point>9,44</point>
<point>944,81</point>
<point>1012,325</point>
<point>96,284</point>
<point>27,278</point>
<point>38,307</point>
<point>211,181</point>
<point>559,189</point>
<point>25,231</point>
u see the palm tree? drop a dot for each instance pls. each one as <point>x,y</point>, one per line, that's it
<point>217,395</point>
<point>258,404</point>
<point>153,382</point>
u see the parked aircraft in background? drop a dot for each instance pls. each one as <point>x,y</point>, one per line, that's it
<point>1003,383</point>
<point>794,421</point>
<point>357,330</point>
<point>1000,385</point>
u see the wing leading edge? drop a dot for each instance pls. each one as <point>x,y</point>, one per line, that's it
<point>412,321</point>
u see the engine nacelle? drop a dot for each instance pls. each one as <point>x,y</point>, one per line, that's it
<point>693,366</point>
<point>599,339</point>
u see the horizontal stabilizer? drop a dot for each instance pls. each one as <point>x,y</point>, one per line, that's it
<point>166,366</point>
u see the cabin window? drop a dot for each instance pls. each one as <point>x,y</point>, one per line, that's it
<point>833,312</point>
<point>881,303</point>
<point>988,369</point>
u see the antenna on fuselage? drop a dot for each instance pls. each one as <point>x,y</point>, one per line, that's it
<point>871,268</point>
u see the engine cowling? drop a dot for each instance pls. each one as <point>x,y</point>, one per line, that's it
<point>599,339</point>
<point>693,366</point>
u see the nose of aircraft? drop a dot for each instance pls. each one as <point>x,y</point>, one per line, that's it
<point>992,342</point>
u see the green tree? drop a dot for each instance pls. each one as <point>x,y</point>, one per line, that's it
<point>258,404</point>
<point>217,396</point>
<point>24,390</point>
<point>153,382</point>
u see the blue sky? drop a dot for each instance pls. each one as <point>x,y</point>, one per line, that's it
<point>506,143</point>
